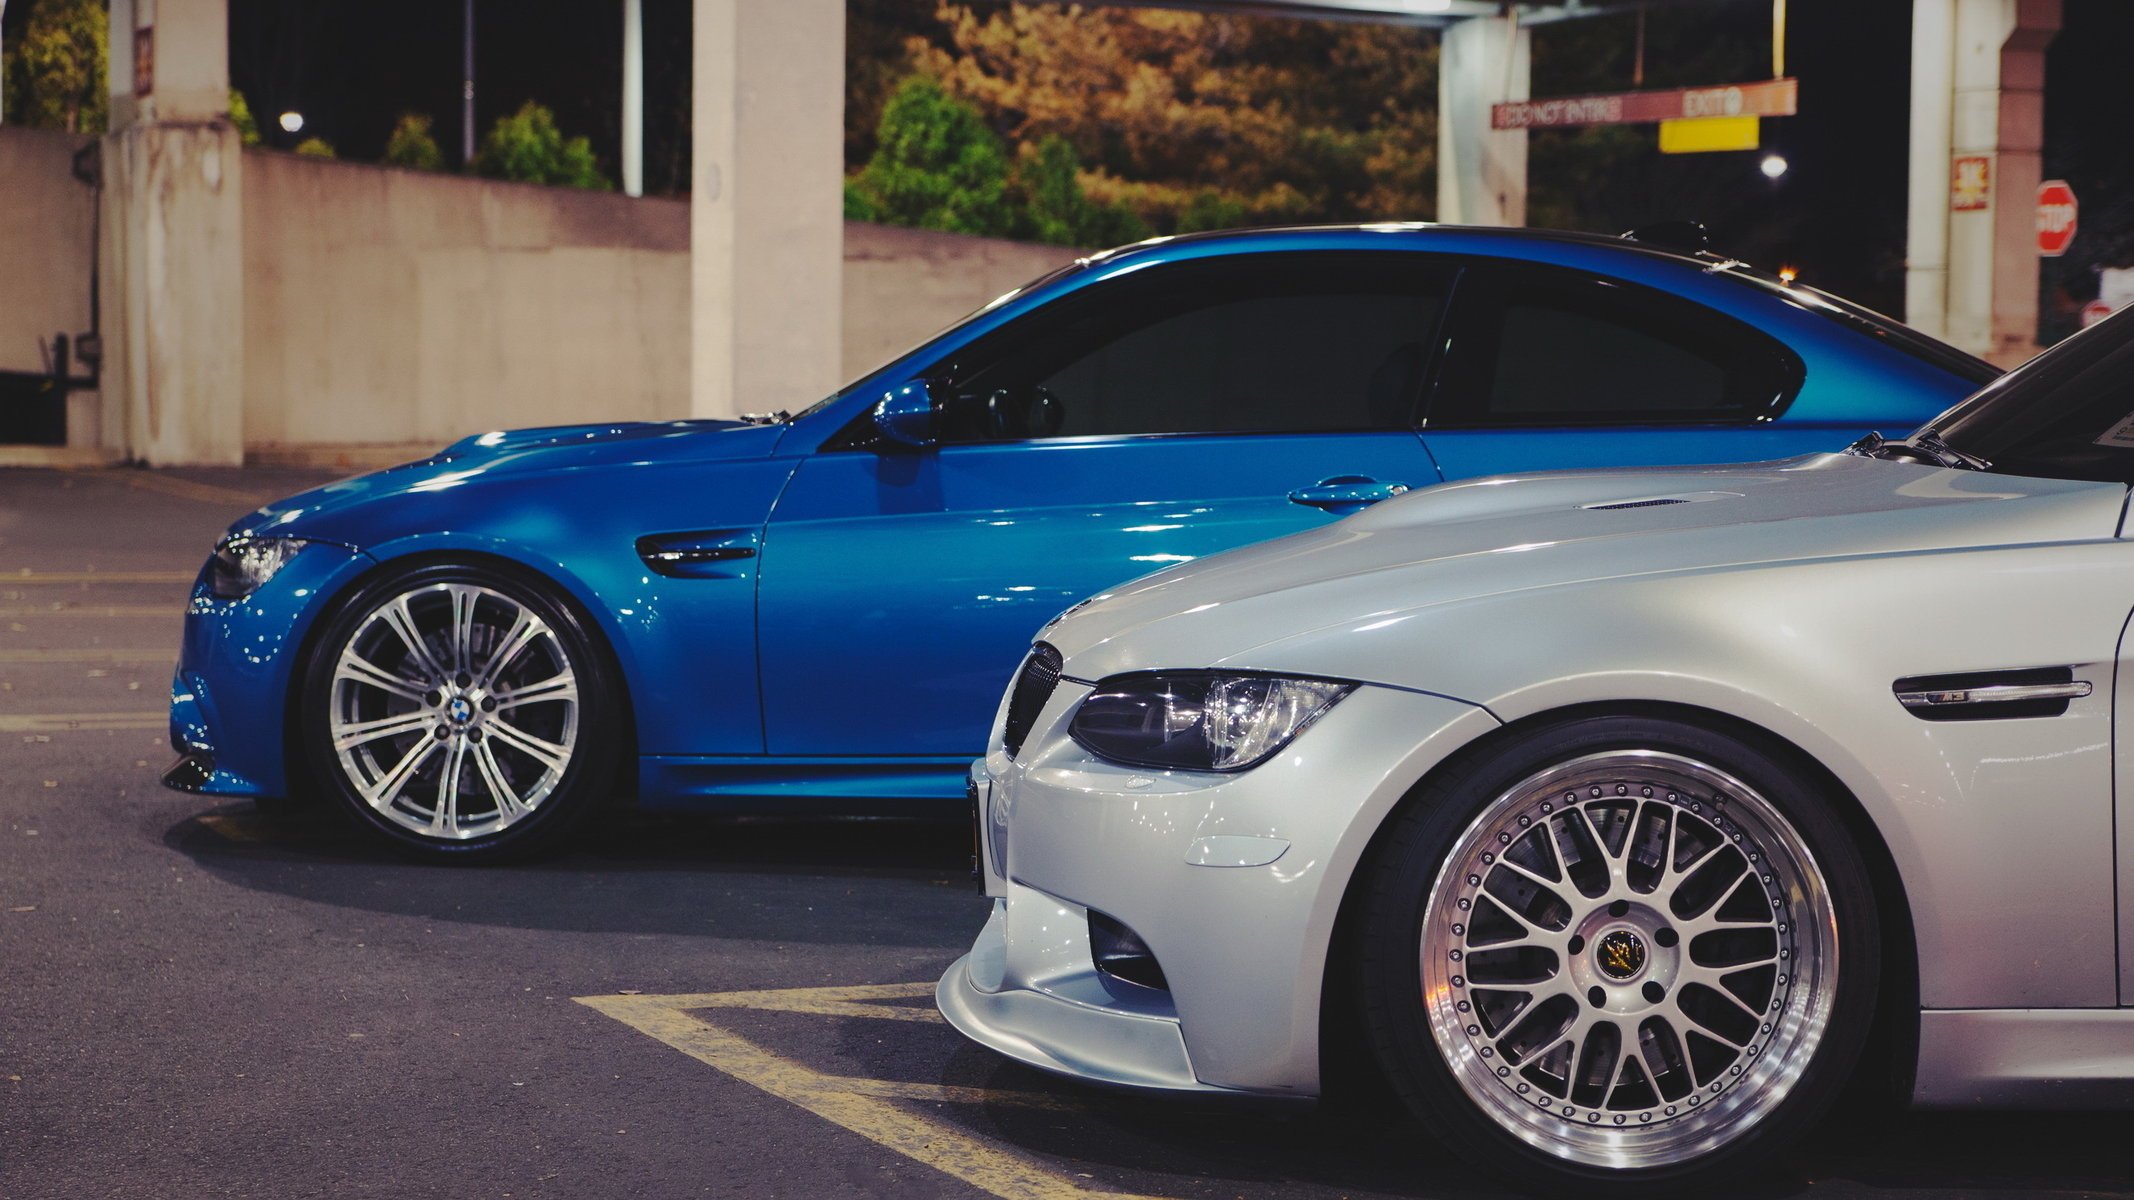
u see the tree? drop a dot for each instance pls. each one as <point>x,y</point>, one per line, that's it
<point>411,145</point>
<point>1186,117</point>
<point>242,120</point>
<point>1054,208</point>
<point>54,74</point>
<point>526,146</point>
<point>315,147</point>
<point>935,166</point>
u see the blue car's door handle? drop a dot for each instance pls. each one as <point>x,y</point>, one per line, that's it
<point>1345,494</point>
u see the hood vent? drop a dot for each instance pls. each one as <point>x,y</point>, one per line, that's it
<point>1656,501</point>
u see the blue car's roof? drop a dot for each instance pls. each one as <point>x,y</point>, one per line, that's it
<point>1726,283</point>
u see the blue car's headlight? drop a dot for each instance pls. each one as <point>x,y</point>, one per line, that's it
<point>242,564</point>
<point>1199,720</point>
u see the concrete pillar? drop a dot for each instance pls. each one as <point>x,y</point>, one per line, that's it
<point>766,206</point>
<point>1481,172</point>
<point>173,254</point>
<point>1978,94</point>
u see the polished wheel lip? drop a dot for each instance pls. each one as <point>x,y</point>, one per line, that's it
<point>1707,1117</point>
<point>456,702</point>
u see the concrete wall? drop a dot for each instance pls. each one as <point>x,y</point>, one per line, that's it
<point>902,285</point>
<point>399,308</point>
<point>390,307</point>
<point>46,218</point>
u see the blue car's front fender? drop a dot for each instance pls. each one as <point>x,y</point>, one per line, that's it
<point>229,697</point>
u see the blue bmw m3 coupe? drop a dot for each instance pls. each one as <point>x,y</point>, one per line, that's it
<point>473,652</point>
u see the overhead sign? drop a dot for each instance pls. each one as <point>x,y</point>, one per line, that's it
<point>1770,98</point>
<point>2056,217</point>
<point>1700,134</point>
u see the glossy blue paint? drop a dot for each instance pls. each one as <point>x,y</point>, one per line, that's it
<point>934,569</point>
<point>859,651</point>
<point>235,665</point>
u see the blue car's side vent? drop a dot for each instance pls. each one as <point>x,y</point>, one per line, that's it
<point>699,553</point>
<point>1033,686</point>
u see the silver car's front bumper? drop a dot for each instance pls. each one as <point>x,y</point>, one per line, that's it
<point>1092,1041</point>
<point>1232,881</point>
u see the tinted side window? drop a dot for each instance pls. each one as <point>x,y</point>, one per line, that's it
<point>1541,347</point>
<point>1253,344</point>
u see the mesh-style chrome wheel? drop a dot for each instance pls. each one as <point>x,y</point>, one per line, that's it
<point>454,710</point>
<point>1628,959</point>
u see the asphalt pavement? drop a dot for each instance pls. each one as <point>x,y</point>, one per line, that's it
<point>198,999</point>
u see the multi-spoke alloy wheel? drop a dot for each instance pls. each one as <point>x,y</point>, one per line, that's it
<point>452,706</point>
<point>1628,957</point>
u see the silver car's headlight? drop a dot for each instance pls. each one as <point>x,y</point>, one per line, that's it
<point>242,564</point>
<point>1199,720</point>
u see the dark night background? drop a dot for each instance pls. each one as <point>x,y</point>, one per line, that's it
<point>353,66</point>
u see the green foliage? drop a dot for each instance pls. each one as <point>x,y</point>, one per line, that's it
<point>936,165</point>
<point>528,147</point>
<point>410,145</point>
<point>54,72</point>
<point>316,147</point>
<point>1189,120</point>
<point>242,119</point>
<point>1056,209</point>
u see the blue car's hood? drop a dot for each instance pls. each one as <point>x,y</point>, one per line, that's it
<point>516,454</point>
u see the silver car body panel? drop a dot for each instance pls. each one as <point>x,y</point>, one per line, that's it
<point>2026,1058</point>
<point>1788,595</point>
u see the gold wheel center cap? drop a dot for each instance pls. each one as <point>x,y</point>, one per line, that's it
<point>1620,954</point>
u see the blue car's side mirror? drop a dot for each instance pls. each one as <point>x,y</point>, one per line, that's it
<point>908,417</point>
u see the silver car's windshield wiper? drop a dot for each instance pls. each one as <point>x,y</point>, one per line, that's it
<point>1926,447</point>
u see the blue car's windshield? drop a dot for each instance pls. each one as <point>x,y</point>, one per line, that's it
<point>1041,281</point>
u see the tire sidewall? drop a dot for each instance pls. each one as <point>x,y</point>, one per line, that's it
<point>1414,849</point>
<point>586,782</point>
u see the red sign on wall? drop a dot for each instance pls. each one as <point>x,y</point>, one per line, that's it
<point>2056,217</point>
<point>1769,98</point>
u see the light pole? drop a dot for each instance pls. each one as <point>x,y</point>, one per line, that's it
<point>633,97</point>
<point>466,92</point>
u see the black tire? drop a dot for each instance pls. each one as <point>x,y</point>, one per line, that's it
<point>1515,1134</point>
<point>585,713</point>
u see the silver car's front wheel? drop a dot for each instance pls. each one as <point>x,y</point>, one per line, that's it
<point>1629,953</point>
<point>450,708</point>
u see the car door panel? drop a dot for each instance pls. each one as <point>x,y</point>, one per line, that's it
<point>899,590</point>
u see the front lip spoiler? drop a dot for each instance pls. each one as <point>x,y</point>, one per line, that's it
<point>190,773</point>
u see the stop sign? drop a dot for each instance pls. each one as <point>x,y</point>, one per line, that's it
<point>2056,217</point>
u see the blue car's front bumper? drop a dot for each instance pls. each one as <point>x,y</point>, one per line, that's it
<point>229,698</point>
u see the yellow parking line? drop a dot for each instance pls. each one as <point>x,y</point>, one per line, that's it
<point>29,576</point>
<point>233,829</point>
<point>65,722</point>
<point>187,489</point>
<point>90,654</point>
<point>827,1002</point>
<point>865,1107</point>
<point>18,611</point>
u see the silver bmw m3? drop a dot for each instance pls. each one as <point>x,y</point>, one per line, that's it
<point>1623,816</point>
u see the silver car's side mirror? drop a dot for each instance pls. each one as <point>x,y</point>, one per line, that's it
<point>908,417</point>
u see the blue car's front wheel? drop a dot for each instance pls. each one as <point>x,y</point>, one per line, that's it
<point>460,711</point>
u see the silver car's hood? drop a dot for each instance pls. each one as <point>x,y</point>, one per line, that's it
<point>1468,541</point>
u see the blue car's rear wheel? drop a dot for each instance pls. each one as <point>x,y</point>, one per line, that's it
<point>460,712</point>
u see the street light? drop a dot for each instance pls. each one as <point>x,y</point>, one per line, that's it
<point>1773,166</point>
<point>292,121</point>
